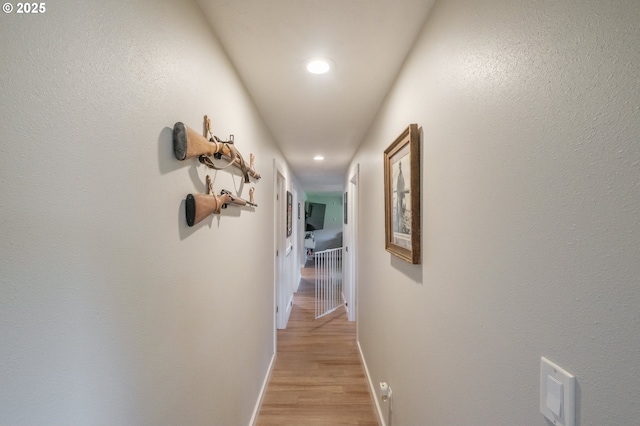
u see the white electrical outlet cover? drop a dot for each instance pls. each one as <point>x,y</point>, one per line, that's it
<point>554,379</point>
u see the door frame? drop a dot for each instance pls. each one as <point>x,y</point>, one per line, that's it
<point>352,244</point>
<point>279,252</point>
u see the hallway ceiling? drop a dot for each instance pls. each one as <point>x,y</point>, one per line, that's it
<point>269,41</point>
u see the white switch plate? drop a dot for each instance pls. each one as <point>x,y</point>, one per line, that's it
<point>567,409</point>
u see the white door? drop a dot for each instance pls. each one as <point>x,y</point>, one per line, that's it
<point>282,276</point>
<point>351,231</point>
<point>295,242</point>
<point>280,249</point>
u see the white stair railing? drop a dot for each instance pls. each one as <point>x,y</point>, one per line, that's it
<point>329,294</point>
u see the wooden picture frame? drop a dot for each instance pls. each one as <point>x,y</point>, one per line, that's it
<point>402,195</point>
<point>289,213</point>
<point>345,199</point>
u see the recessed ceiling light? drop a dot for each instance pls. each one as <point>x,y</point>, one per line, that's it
<point>319,65</point>
<point>318,158</point>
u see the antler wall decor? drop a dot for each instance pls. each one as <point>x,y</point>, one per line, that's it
<point>199,206</point>
<point>187,143</point>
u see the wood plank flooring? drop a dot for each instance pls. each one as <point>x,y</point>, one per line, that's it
<point>317,378</point>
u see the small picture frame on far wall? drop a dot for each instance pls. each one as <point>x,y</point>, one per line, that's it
<point>289,213</point>
<point>344,207</point>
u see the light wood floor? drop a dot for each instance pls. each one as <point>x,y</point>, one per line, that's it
<point>317,378</point>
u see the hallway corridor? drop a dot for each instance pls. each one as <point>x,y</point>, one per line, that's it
<point>317,378</point>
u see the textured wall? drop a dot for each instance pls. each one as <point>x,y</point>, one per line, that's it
<point>112,310</point>
<point>531,216</point>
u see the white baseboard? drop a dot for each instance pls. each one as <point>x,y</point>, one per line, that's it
<point>372,388</point>
<point>288,311</point>
<point>263,390</point>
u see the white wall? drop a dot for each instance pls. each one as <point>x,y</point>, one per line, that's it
<point>531,216</point>
<point>112,310</point>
